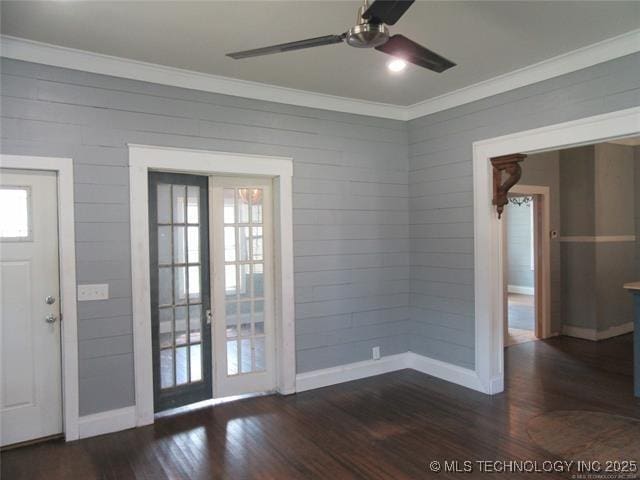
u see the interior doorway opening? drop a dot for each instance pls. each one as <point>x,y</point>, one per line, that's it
<point>526,261</point>
<point>521,312</point>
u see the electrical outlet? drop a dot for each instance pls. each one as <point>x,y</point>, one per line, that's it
<point>375,351</point>
<point>93,292</point>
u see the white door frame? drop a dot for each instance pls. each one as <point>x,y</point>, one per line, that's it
<point>67,258</point>
<point>488,274</point>
<point>542,253</point>
<point>142,159</point>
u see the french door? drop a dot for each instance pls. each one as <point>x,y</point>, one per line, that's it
<point>180,300</point>
<point>210,238</point>
<point>244,327</point>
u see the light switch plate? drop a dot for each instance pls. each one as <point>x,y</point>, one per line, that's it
<point>90,292</point>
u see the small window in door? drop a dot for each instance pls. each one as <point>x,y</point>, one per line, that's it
<point>15,214</point>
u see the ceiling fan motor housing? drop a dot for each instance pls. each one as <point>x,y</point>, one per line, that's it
<point>367,35</point>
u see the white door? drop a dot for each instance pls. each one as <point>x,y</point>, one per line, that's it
<point>30,388</point>
<point>242,288</point>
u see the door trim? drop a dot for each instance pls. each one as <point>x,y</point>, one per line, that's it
<point>142,159</point>
<point>488,275</point>
<point>67,258</point>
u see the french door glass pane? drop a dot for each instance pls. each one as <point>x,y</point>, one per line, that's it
<point>231,310</point>
<point>180,285</point>
<point>166,368</point>
<point>260,354</point>
<point>232,357</point>
<point>243,240</point>
<point>181,325</point>
<point>229,244</point>
<point>193,204</point>
<point>256,206</point>
<point>194,283</point>
<point>165,286</point>
<point>195,323</point>
<point>179,246</point>
<point>256,247</point>
<point>243,205</point>
<point>182,365</point>
<point>229,205</point>
<point>164,203</point>
<point>244,287</point>
<point>166,327</point>
<point>196,363</point>
<point>245,355</point>
<point>178,203</point>
<point>230,281</point>
<point>164,245</point>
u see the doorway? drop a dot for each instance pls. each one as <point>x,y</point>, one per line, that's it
<point>278,172</point>
<point>211,272</point>
<point>526,257</point>
<point>31,373</point>
<point>488,264</point>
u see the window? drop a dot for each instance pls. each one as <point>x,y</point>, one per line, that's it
<point>15,213</point>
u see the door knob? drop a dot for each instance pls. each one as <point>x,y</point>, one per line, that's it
<point>51,318</point>
<point>208,316</point>
<point>50,300</point>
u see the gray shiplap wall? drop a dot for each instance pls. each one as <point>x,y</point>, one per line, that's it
<point>351,241</point>
<point>440,187</point>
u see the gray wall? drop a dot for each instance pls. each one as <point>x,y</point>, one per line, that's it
<point>598,196</point>
<point>519,245</point>
<point>544,169</point>
<point>578,259</point>
<point>351,241</point>
<point>615,215</point>
<point>440,187</point>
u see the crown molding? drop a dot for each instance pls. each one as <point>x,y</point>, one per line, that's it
<point>609,49</point>
<point>38,52</point>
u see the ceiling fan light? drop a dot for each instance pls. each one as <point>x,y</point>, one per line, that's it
<point>397,65</point>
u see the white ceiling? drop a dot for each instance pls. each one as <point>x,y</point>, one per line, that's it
<point>486,39</point>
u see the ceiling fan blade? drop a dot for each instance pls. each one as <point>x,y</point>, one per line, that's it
<point>401,47</point>
<point>387,11</point>
<point>287,47</point>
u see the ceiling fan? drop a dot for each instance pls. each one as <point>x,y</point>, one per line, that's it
<point>370,31</point>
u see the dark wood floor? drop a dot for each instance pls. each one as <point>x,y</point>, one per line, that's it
<point>390,426</point>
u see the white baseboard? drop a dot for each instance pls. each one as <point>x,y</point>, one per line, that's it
<point>125,418</point>
<point>368,368</point>
<point>352,371</point>
<point>593,334</point>
<point>446,371</point>
<point>107,422</point>
<point>521,289</point>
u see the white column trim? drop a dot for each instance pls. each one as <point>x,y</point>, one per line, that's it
<point>488,274</point>
<point>67,253</point>
<point>142,159</point>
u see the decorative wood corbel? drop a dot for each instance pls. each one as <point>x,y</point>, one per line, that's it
<point>511,165</point>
